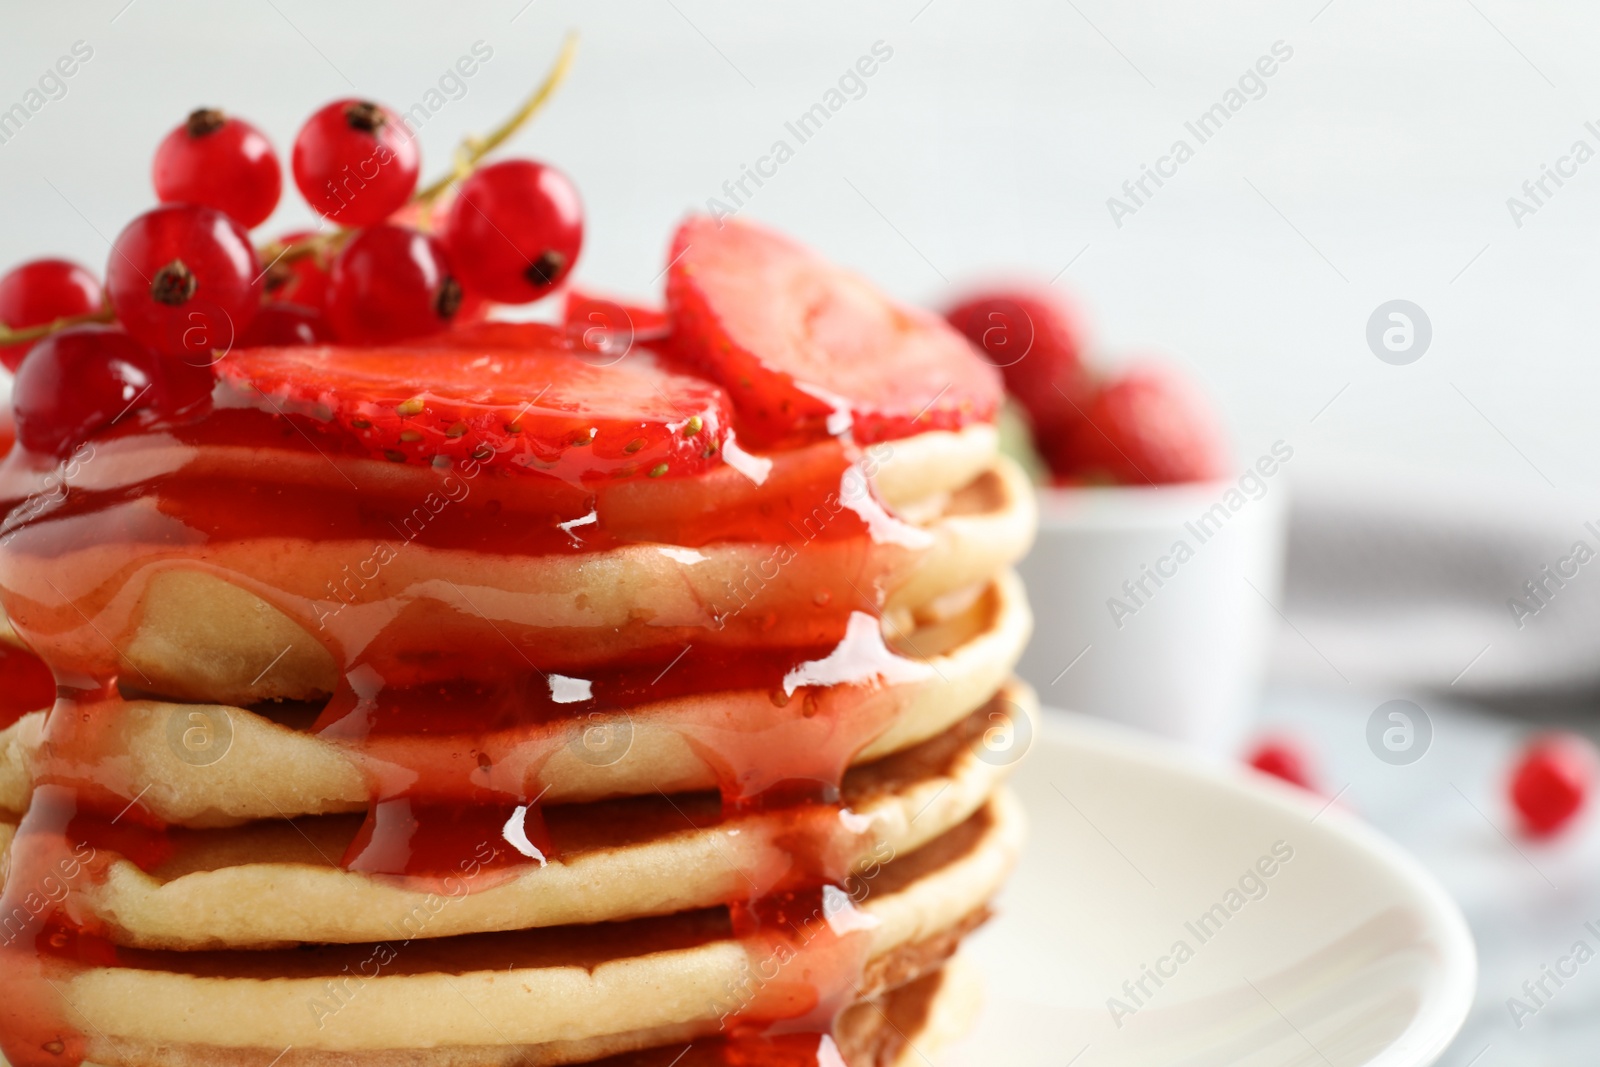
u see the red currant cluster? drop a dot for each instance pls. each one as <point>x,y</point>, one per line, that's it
<point>185,284</point>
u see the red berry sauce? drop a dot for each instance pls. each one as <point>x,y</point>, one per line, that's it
<point>293,505</point>
<point>26,684</point>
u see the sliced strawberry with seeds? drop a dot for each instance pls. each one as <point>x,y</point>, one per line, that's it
<point>806,348</point>
<point>537,407</point>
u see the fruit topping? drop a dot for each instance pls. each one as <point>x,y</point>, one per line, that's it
<point>298,277</point>
<point>391,283</point>
<point>806,348</point>
<point>608,327</point>
<point>536,406</point>
<point>419,374</point>
<point>43,291</point>
<point>355,162</point>
<point>1552,781</point>
<point>280,324</point>
<point>1144,427</point>
<point>184,281</point>
<point>1285,758</point>
<point>515,229</point>
<point>1147,427</point>
<point>493,334</point>
<point>1035,340</point>
<point>645,323</point>
<point>221,162</point>
<point>600,345</point>
<point>81,381</point>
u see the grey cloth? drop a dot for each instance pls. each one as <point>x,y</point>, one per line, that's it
<point>1404,583</point>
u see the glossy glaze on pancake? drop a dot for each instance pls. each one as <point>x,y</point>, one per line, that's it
<point>356,762</point>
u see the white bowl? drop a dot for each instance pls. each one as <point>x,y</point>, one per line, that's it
<point>1155,605</point>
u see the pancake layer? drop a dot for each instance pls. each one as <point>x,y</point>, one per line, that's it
<point>686,970</point>
<point>355,762</point>
<point>277,882</point>
<point>273,767</point>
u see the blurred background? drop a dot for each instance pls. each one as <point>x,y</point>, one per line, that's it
<point>1396,153</point>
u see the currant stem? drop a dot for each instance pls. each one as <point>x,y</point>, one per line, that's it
<point>8,336</point>
<point>277,252</point>
<point>473,149</point>
<point>468,156</point>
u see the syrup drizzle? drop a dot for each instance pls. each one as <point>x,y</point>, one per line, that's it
<point>26,684</point>
<point>417,661</point>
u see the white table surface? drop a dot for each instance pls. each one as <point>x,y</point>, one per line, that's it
<point>1527,903</point>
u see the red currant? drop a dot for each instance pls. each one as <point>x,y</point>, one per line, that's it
<point>355,162</point>
<point>43,291</point>
<point>184,280</point>
<point>280,325</point>
<point>1284,758</point>
<point>1552,781</point>
<point>391,283</point>
<point>515,229</point>
<point>82,380</point>
<point>302,279</point>
<point>221,162</point>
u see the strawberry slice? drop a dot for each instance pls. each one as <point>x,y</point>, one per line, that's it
<point>607,332</point>
<point>806,348</point>
<point>488,333</point>
<point>601,324</point>
<point>537,406</point>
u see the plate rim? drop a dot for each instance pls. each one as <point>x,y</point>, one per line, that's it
<point>1430,1033</point>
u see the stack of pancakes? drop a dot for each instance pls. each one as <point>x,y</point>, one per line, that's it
<point>213,868</point>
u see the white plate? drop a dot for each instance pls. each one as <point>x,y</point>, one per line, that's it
<point>1348,954</point>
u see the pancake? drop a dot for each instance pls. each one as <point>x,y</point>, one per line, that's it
<point>271,769</point>
<point>18,743</point>
<point>900,1028</point>
<point>682,971</point>
<point>465,708</point>
<point>206,630</point>
<point>276,882</point>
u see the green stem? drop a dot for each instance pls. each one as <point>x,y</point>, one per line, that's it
<point>8,336</point>
<point>473,149</point>
<point>468,156</point>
